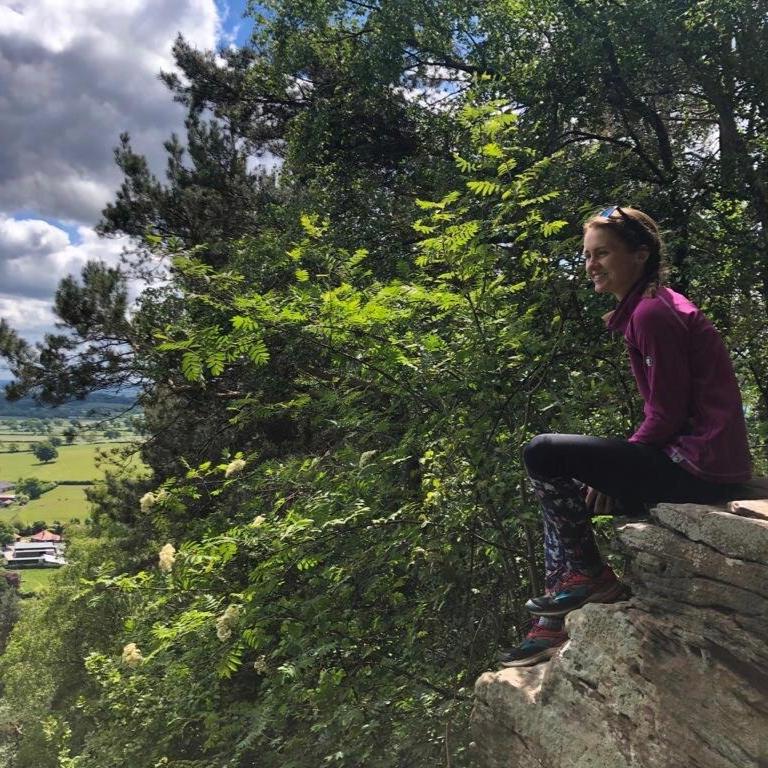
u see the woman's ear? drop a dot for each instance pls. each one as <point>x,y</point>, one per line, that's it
<point>642,254</point>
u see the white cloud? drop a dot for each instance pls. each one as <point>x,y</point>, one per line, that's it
<point>73,76</point>
<point>36,255</point>
<point>32,318</point>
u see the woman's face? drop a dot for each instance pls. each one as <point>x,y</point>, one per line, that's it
<point>611,265</point>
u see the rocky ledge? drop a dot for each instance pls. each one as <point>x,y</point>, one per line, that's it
<point>674,677</point>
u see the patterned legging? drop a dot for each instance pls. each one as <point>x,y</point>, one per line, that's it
<point>560,468</point>
<point>569,542</point>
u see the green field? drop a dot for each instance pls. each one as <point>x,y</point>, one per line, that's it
<point>75,462</point>
<point>62,503</point>
<point>35,579</point>
<point>17,431</point>
<point>25,440</point>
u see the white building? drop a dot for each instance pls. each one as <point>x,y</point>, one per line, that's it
<point>39,554</point>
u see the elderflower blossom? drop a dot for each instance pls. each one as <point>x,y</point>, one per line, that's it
<point>226,620</point>
<point>147,501</point>
<point>258,520</point>
<point>260,665</point>
<point>234,467</point>
<point>167,558</point>
<point>232,614</point>
<point>132,655</point>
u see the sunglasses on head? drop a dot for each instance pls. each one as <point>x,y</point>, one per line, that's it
<point>627,219</point>
<point>608,212</point>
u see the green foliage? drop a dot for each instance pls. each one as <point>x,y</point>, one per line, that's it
<point>45,451</point>
<point>7,533</point>
<point>32,487</point>
<point>9,598</point>
<point>341,591</point>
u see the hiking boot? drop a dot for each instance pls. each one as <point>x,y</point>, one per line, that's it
<point>577,590</point>
<point>540,644</point>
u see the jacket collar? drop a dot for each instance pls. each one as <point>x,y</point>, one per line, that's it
<point>617,319</point>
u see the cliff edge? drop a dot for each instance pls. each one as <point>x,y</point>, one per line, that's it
<point>676,676</point>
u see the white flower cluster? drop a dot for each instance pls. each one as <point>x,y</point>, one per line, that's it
<point>234,467</point>
<point>226,621</point>
<point>167,558</point>
<point>132,655</point>
<point>260,665</point>
<point>258,520</point>
<point>149,499</point>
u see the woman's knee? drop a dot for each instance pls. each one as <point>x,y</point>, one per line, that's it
<point>537,455</point>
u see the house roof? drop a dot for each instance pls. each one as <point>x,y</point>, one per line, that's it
<point>45,536</point>
<point>5,485</point>
<point>30,545</point>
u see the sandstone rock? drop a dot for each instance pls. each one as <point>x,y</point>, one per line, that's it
<point>730,534</point>
<point>749,508</point>
<point>675,676</point>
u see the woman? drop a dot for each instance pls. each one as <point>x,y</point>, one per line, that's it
<point>691,446</point>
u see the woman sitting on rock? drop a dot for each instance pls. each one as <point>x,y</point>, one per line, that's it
<point>691,446</point>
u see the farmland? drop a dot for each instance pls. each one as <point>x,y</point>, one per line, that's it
<point>75,462</point>
<point>93,451</point>
<point>62,504</point>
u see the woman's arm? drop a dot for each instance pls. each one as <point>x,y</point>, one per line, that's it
<point>661,364</point>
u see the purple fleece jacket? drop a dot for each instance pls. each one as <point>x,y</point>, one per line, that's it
<point>693,409</point>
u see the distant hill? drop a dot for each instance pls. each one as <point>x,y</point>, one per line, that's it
<point>103,403</point>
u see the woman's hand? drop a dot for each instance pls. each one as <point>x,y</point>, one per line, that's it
<point>599,503</point>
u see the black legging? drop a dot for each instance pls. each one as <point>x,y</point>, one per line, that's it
<point>629,472</point>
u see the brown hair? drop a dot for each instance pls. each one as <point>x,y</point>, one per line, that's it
<point>636,229</point>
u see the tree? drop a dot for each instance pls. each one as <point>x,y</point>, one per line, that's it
<point>7,533</point>
<point>44,451</point>
<point>9,601</point>
<point>31,487</point>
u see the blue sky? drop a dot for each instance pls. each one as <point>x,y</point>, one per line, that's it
<point>231,14</point>
<point>72,78</point>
